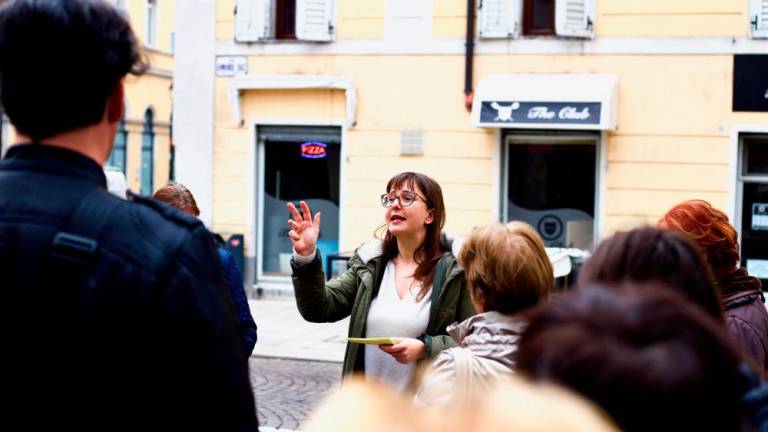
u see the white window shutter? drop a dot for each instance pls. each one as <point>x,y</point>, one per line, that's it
<point>575,18</point>
<point>253,19</point>
<point>314,20</point>
<point>499,18</point>
<point>758,18</point>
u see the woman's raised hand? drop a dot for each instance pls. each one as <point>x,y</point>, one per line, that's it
<point>304,229</point>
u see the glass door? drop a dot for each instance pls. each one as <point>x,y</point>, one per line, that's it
<point>550,183</point>
<point>298,163</point>
<point>753,207</point>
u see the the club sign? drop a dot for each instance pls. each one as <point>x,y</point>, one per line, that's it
<point>540,112</point>
<point>314,150</point>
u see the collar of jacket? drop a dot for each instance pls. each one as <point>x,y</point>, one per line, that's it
<point>370,253</point>
<point>491,335</point>
<point>53,160</point>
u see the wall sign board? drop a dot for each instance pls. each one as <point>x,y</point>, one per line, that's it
<point>540,112</point>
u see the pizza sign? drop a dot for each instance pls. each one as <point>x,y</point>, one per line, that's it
<point>314,150</point>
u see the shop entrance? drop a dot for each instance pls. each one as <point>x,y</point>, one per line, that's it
<point>752,204</point>
<point>550,183</point>
<point>295,163</point>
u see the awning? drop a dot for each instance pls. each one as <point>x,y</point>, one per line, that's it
<point>546,102</point>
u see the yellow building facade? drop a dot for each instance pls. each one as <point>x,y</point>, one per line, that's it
<point>143,142</point>
<point>584,116</point>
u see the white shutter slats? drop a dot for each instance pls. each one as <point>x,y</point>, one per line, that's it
<point>758,18</point>
<point>314,20</point>
<point>575,18</point>
<point>252,20</point>
<point>499,18</point>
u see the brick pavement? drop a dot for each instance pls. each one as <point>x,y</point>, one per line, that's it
<point>288,390</point>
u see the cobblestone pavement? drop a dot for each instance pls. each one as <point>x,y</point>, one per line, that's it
<point>288,390</point>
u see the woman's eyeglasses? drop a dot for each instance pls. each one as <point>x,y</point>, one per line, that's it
<point>406,198</point>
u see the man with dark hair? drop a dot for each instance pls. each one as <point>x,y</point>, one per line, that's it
<point>648,357</point>
<point>115,314</point>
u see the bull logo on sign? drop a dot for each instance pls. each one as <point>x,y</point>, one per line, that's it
<point>504,113</point>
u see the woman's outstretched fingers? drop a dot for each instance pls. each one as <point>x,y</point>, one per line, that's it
<point>305,211</point>
<point>294,212</point>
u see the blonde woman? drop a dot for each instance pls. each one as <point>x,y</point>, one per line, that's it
<point>508,273</point>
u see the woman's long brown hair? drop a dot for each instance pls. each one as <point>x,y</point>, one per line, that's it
<point>428,253</point>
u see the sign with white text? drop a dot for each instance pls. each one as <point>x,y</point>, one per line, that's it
<point>511,112</point>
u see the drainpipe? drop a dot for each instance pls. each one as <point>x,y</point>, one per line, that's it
<point>469,54</point>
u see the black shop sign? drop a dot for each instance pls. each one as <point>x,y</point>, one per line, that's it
<point>529,112</point>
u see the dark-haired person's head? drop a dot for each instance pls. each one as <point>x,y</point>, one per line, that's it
<point>62,63</point>
<point>650,359</point>
<point>710,229</point>
<point>648,255</point>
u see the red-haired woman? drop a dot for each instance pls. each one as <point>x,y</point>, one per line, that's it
<point>741,294</point>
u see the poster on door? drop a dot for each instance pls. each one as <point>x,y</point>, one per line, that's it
<point>760,216</point>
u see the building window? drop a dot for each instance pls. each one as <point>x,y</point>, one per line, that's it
<point>148,153</point>
<point>550,184</point>
<point>511,18</point>
<point>539,18</point>
<point>268,20</point>
<point>151,24</point>
<point>285,19</point>
<point>117,159</point>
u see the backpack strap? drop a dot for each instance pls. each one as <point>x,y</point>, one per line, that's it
<point>77,242</point>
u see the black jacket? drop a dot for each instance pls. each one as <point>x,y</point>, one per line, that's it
<point>138,335</point>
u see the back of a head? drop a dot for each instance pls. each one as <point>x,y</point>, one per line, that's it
<point>506,267</point>
<point>652,360</point>
<point>652,255</point>
<point>710,229</point>
<point>60,61</point>
<point>517,405</point>
<point>177,196</point>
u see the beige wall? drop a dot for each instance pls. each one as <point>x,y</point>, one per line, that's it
<point>673,140</point>
<point>364,19</point>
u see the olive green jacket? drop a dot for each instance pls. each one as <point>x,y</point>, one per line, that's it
<point>351,294</point>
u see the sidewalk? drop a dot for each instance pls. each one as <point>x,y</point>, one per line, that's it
<point>283,333</point>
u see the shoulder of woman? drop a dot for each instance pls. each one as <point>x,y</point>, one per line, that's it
<point>370,250</point>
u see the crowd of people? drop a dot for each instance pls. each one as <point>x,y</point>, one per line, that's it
<point>663,319</point>
<point>151,329</point>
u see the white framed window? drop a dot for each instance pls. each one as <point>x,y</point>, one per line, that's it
<point>150,32</point>
<point>512,18</point>
<point>269,20</point>
<point>758,18</point>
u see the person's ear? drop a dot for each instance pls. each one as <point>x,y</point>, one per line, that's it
<point>430,217</point>
<point>115,105</point>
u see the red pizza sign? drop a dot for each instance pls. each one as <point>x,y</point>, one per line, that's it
<point>314,150</point>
